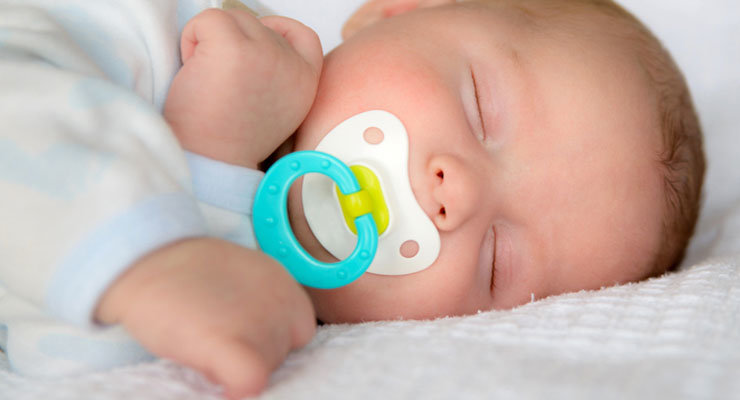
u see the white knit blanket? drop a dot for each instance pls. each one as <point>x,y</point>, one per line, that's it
<point>674,337</point>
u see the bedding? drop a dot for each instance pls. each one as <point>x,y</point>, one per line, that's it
<point>676,336</point>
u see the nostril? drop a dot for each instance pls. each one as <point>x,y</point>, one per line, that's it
<point>440,175</point>
<point>441,220</point>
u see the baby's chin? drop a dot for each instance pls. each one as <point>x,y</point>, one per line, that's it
<point>385,298</point>
<point>339,309</point>
<point>361,301</point>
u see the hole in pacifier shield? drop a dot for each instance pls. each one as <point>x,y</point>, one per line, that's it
<point>409,249</point>
<point>373,136</point>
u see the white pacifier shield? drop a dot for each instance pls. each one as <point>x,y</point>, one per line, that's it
<point>388,159</point>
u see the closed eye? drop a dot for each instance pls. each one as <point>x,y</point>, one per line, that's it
<point>493,260</point>
<point>477,103</point>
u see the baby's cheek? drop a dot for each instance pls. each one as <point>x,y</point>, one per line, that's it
<point>375,76</point>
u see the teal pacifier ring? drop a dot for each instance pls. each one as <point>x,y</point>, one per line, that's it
<point>275,235</point>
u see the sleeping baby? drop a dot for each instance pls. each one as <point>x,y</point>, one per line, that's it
<point>551,145</point>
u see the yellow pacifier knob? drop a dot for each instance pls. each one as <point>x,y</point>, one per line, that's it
<point>368,200</point>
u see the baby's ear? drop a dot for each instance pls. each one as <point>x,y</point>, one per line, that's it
<point>377,10</point>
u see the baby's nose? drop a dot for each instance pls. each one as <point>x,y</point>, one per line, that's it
<point>455,192</point>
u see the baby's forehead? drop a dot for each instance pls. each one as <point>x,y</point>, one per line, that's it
<point>573,16</point>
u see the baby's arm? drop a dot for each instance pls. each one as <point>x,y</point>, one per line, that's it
<point>243,89</point>
<point>94,181</point>
<point>245,86</point>
<point>230,312</point>
<point>90,176</point>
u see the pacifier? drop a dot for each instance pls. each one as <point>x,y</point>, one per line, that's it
<point>358,202</point>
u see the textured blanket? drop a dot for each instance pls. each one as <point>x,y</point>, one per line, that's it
<point>677,336</point>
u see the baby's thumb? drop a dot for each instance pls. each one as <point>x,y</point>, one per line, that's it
<point>303,39</point>
<point>239,368</point>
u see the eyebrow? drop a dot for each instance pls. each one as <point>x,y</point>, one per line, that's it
<point>513,54</point>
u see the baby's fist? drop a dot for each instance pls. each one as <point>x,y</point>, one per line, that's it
<point>229,312</point>
<point>245,86</point>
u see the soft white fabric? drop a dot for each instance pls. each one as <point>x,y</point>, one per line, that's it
<point>677,336</point>
<point>669,338</point>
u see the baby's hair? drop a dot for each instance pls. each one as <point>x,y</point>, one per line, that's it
<point>681,157</point>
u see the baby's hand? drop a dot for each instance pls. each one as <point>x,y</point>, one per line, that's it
<point>245,86</point>
<point>229,312</point>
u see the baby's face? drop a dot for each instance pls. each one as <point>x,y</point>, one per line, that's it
<point>534,154</point>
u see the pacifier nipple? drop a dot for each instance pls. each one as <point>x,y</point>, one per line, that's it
<point>375,146</point>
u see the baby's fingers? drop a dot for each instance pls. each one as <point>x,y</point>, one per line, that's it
<point>217,27</point>
<point>302,38</point>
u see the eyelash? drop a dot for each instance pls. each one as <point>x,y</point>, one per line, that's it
<point>477,103</point>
